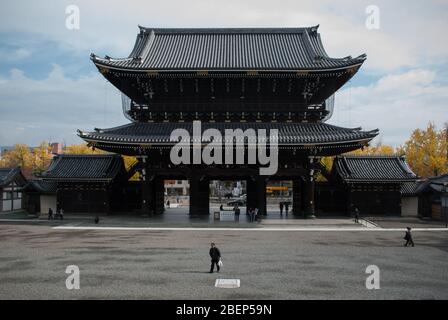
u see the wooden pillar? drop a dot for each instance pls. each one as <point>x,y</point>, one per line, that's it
<point>261,195</point>
<point>147,189</point>
<point>251,191</point>
<point>159,195</point>
<point>147,197</point>
<point>199,196</point>
<point>310,211</point>
<point>297,199</point>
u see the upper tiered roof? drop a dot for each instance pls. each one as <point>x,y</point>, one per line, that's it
<point>229,49</point>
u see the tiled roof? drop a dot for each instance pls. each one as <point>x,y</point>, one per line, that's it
<point>7,175</point>
<point>229,49</point>
<point>409,188</point>
<point>41,186</point>
<point>373,169</point>
<point>84,167</point>
<point>289,133</point>
<point>438,184</point>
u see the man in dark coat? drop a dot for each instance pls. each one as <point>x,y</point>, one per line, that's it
<point>237,213</point>
<point>408,238</point>
<point>215,254</point>
<point>356,212</point>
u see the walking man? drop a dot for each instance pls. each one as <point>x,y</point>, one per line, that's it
<point>251,214</point>
<point>215,255</point>
<point>237,213</point>
<point>281,208</point>
<point>50,214</point>
<point>286,208</point>
<point>356,212</point>
<point>408,238</point>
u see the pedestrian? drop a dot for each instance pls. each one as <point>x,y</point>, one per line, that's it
<point>281,208</point>
<point>61,214</point>
<point>97,219</point>
<point>237,213</point>
<point>286,208</point>
<point>168,203</point>
<point>215,255</point>
<point>252,215</point>
<point>356,212</point>
<point>408,237</point>
<point>255,214</point>
<point>50,214</point>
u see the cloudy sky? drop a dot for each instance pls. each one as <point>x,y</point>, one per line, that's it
<point>49,88</point>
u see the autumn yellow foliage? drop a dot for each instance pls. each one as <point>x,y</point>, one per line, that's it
<point>426,151</point>
<point>32,161</point>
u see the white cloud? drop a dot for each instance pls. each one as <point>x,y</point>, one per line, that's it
<point>411,36</point>
<point>55,107</point>
<point>411,32</point>
<point>396,104</point>
<point>14,55</point>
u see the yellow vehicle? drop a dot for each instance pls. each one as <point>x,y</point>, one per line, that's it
<point>271,189</point>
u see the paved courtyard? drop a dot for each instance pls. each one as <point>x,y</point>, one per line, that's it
<point>161,264</point>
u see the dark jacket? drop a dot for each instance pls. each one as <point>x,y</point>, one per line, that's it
<point>215,254</point>
<point>408,236</point>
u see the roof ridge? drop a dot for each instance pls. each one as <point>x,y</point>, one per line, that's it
<point>230,30</point>
<point>388,156</point>
<point>67,155</point>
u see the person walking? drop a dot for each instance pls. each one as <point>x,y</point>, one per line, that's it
<point>61,214</point>
<point>255,214</point>
<point>237,213</point>
<point>281,208</point>
<point>50,214</point>
<point>286,208</point>
<point>408,237</point>
<point>215,255</point>
<point>356,212</point>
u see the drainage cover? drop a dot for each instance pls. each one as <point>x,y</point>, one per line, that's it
<point>227,283</point>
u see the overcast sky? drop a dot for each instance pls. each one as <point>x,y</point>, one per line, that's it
<point>49,87</point>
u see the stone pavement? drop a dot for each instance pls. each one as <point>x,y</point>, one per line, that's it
<point>164,264</point>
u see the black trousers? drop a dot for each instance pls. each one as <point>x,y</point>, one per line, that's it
<point>212,267</point>
<point>409,242</point>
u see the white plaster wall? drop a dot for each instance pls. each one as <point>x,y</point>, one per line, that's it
<point>46,202</point>
<point>409,206</point>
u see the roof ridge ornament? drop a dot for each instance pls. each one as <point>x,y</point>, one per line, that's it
<point>314,29</point>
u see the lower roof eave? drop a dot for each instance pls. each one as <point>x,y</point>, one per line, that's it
<point>351,181</point>
<point>78,180</point>
<point>171,144</point>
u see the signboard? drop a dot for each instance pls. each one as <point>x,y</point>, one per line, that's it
<point>227,283</point>
<point>227,216</point>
